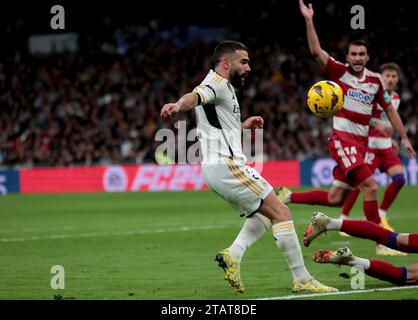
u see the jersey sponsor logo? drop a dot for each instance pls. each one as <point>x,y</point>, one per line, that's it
<point>360,96</point>
<point>386,96</point>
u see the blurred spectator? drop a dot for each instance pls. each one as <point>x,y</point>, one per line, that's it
<point>101,104</point>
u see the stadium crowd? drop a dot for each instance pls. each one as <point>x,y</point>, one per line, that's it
<point>100,104</point>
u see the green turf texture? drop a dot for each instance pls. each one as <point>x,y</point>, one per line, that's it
<point>162,246</point>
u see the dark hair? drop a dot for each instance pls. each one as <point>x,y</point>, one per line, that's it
<point>390,66</point>
<point>226,47</point>
<point>359,43</point>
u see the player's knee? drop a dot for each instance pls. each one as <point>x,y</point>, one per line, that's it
<point>369,187</point>
<point>371,190</point>
<point>373,187</point>
<point>336,196</point>
<point>335,200</point>
<point>399,179</point>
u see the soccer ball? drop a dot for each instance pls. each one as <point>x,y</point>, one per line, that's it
<point>325,99</point>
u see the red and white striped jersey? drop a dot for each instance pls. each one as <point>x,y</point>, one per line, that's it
<point>377,140</point>
<point>352,122</point>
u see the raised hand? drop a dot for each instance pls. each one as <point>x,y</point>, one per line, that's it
<point>307,12</point>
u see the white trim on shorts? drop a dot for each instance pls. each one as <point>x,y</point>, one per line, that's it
<point>342,185</point>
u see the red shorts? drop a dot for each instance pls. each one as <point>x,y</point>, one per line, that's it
<point>348,157</point>
<point>381,159</point>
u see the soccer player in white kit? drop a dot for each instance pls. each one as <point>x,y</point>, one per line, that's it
<point>223,167</point>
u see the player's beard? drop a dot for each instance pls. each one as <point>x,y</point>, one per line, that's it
<point>237,79</point>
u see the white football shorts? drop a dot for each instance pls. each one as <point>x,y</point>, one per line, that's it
<point>240,185</point>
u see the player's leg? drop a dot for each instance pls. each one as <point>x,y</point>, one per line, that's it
<point>412,274</point>
<point>230,258</point>
<point>351,169</point>
<point>364,179</point>
<point>253,229</point>
<point>387,272</point>
<point>375,268</point>
<point>396,172</point>
<point>407,242</point>
<point>317,197</point>
<point>321,223</point>
<point>332,198</point>
<point>372,161</point>
<point>230,183</point>
<point>287,241</point>
<point>349,202</point>
<point>246,191</point>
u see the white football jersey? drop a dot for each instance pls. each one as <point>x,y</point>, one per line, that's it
<point>218,120</point>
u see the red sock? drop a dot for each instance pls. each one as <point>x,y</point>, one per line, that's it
<point>367,230</point>
<point>350,201</point>
<point>385,271</point>
<point>371,211</point>
<point>310,197</point>
<point>390,194</point>
<point>413,242</point>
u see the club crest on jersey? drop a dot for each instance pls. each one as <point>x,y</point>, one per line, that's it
<point>360,96</point>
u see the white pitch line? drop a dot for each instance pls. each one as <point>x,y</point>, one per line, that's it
<point>311,295</point>
<point>123,233</point>
<point>27,230</point>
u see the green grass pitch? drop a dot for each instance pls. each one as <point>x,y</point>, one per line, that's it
<point>162,246</point>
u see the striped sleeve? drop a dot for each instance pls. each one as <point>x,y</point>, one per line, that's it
<point>396,103</point>
<point>206,92</point>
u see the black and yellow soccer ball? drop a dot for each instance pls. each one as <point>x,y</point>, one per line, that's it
<point>325,99</point>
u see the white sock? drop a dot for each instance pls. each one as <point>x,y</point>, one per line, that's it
<point>343,216</point>
<point>364,263</point>
<point>252,230</point>
<point>382,213</point>
<point>288,242</point>
<point>334,224</point>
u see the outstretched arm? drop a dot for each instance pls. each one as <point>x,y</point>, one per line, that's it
<point>185,103</point>
<point>396,121</point>
<point>320,56</point>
